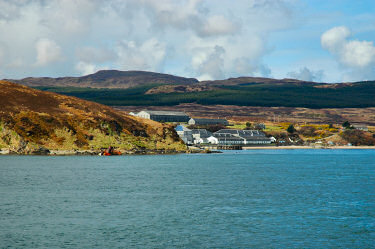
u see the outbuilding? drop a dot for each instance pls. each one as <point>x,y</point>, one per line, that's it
<point>207,121</point>
<point>164,116</point>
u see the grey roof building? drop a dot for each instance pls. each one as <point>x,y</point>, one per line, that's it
<point>229,136</point>
<point>201,132</point>
<point>362,127</point>
<point>228,139</point>
<point>185,134</point>
<point>164,116</point>
<point>207,121</point>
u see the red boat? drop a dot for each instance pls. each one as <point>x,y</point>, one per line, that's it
<point>110,152</point>
<point>114,153</point>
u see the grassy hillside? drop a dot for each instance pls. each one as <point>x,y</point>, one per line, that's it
<point>31,120</point>
<point>288,94</point>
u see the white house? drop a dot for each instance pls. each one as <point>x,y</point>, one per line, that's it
<point>200,135</point>
<point>212,140</point>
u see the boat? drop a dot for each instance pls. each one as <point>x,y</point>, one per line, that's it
<point>110,152</point>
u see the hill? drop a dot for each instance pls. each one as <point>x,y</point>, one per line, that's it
<point>310,95</point>
<point>146,88</point>
<point>108,79</point>
<point>32,121</point>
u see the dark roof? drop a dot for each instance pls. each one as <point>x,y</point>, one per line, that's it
<point>170,113</point>
<point>209,120</point>
<point>202,132</point>
<point>229,137</point>
<point>241,133</point>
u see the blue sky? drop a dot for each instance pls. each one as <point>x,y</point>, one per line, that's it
<point>328,41</point>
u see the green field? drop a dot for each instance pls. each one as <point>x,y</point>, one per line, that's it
<point>357,95</point>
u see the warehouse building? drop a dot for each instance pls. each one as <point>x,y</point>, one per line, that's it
<point>207,121</point>
<point>164,116</point>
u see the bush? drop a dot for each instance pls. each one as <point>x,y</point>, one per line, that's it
<point>357,137</point>
<point>308,131</point>
<point>346,125</point>
<point>291,129</point>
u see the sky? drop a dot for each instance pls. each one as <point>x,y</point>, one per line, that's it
<point>313,40</point>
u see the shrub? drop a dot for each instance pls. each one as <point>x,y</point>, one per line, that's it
<point>358,137</point>
<point>346,125</point>
<point>291,129</point>
<point>308,131</point>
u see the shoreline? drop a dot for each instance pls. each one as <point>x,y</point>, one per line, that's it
<point>192,151</point>
<point>292,147</point>
<point>88,152</point>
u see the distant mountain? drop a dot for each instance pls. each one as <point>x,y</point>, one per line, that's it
<point>112,87</point>
<point>108,79</point>
<point>32,119</point>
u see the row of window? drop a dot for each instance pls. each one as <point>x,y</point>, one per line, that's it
<point>241,142</point>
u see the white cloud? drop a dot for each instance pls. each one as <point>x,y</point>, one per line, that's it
<point>2,54</point>
<point>47,52</point>
<point>307,75</point>
<point>69,16</point>
<point>94,54</point>
<point>217,25</point>
<point>85,68</point>
<point>356,56</point>
<point>148,55</point>
<point>8,10</point>
<point>212,65</point>
<point>335,38</point>
<point>165,35</point>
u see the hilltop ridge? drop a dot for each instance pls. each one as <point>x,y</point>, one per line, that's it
<point>108,79</point>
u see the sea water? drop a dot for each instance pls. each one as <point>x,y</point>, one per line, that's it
<point>238,199</point>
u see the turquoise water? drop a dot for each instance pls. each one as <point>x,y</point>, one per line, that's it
<point>243,199</point>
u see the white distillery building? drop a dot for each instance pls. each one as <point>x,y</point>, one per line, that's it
<point>241,137</point>
<point>201,136</point>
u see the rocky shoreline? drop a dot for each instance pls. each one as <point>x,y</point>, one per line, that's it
<point>75,152</point>
<point>291,147</point>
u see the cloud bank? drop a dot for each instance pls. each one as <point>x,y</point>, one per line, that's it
<point>195,38</point>
<point>306,74</point>
<point>213,39</point>
<point>357,57</point>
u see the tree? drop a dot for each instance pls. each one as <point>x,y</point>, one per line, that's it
<point>248,124</point>
<point>291,129</point>
<point>346,125</point>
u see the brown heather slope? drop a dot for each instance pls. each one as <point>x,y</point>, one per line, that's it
<point>269,114</point>
<point>31,119</point>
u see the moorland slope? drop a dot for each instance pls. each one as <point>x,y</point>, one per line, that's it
<point>33,120</point>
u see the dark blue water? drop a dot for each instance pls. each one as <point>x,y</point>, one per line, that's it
<point>247,199</point>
